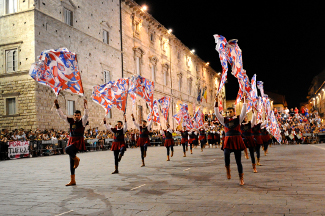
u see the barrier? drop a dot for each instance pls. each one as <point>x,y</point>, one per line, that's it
<point>3,150</point>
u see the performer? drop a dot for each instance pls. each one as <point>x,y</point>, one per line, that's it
<point>210,134</point>
<point>257,135</point>
<point>202,137</point>
<point>248,137</point>
<point>169,141</point>
<point>143,140</point>
<point>233,141</point>
<point>266,140</point>
<point>217,136</point>
<point>118,145</point>
<point>192,139</point>
<point>76,139</point>
<point>184,140</point>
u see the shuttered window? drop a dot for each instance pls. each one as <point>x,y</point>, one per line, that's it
<point>105,37</point>
<point>11,6</point>
<point>11,106</point>
<point>11,60</point>
<point>107,76</point>
<point>68,16</point>
<point>70,107</point>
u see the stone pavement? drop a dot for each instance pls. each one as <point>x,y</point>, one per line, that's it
<point>289,182</point>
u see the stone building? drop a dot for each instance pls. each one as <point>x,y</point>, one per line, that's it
<point>92,29</point>
<point>152,51</point>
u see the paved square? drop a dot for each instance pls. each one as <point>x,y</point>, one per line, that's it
<point>289,182</point>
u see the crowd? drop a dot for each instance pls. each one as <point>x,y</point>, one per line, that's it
<point>296,127</point>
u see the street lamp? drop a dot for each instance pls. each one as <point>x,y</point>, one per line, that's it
<point>193,51</point>
<point>144,8</point>
<point>170,31</point>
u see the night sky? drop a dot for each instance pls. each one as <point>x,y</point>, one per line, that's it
<point>281,43</point>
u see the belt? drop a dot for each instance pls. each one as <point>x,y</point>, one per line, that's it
<point>144,136</point>
<point>233,133</point>
<point>247,134</point>
<point>117,140</point>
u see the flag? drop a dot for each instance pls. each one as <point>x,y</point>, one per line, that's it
<point>205,94</point>
<point>220,105</point>
<point>181,113</point>
<point>143,87</point>
<point>199,98</point>
<point>259,109</point>
<point>260,87</point>
<point>198,119</point>
<point>154,115</point>
<point>112,93</point>
<point>58,69</point>
<point>221,48</point>
<point>164,103</point>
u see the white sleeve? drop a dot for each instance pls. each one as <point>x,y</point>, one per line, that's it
<point>243,113</point>
<point>61,115</point>
<point>219,116</point>
<point>253,122</point>
<point>195,133</point>
<point>136,125</point>
<point>264,123</point>
<point>125,128</point>
<point>170,130</point>
<point>108,127</point>
<point>177,132</point>
<point>162,132</point>
<point>149,125</point>
<point>85,118</point>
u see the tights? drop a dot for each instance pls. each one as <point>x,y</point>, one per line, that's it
<point>184,146</point>
<point>258,151</point>
<point>203,142</point>
<point>116,153</point>
<point>171,147</point>
<point>251,152</point>
<point>71,150</point>
<point>143,149</point>
<point>237,157</point>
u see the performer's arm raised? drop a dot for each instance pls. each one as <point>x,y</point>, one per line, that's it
<point>150,124</point>
<point>59,111</point>
<point>108,126</point>
<point>85,117</point>
<point>243,113</point>
<point>125,128</point>
<point>134,122</point>
<point>218,115</point>
<point>253,122</point>
<point>264,123</point>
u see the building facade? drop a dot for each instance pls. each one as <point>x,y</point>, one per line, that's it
<point>107,48</point>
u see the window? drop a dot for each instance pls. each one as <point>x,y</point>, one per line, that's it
<point>11,106</point>
<point>153,72</point>
<point>70,107</point>
<point>178,55</point>
<point>165,77</point>
<point>180,82</point>
<point>105,37</point>
<point>11,60</point>
<point>11,6</point>
<point>68,16</point>
<point>190,86</point>
<point>107,76</point>
<point>137,62</point>
<point>152,37</point>
<point>109,114</point>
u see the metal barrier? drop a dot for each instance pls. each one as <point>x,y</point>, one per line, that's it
<point>3,150</point>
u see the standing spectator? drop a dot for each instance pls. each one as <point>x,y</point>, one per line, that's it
<point>292,113</point>
<point>296,112</point>
<point>306,112</point>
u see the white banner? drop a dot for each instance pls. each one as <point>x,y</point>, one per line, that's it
<point>18,149</point>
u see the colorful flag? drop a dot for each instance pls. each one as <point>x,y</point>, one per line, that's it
<point>205,94</point>
<point>142,87</point>
<point>199,97</point>
<point>198,119</point>
<point>221,48</point>
<point>164,103</point>
<point>181,113</point>
<point>154,115</point>
<point>112,93</point>
<point>58,69</point>
<point>260,87</point>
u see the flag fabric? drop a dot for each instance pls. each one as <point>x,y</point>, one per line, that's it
<point>254,95</point>
<point>259,109</point>
<point>260,87</point>
<point>154,114</point>
<point>221,48</point>
<point>199,97</point>
<point>164,103</point>
<point>181,113</point>
<point>205,94</point>
<point>58,69</point>
<point>143,87</point>
<point>198,119</point>
<point>234,57</point>
<point>220,105</point>
<point>112,93</point>
<point>239,96</point>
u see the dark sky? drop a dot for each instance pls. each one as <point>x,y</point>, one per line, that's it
<point>281,43</point>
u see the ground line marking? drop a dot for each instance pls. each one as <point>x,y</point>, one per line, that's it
<point>138,187</point>
<point>213,159</point>
<point>64,213</point>
<point>318,147</point>
<point>186,169</point>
